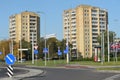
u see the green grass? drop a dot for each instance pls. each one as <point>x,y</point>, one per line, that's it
<point>51,63</point>
<point>92,63</point>
<point>113,68</point>
<point>59,63</point>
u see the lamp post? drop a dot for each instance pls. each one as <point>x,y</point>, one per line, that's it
<point>102,47</point>
<point>32,49</point>
<point>45,34</point>
<point>67,45</point>
<point>108,45</point>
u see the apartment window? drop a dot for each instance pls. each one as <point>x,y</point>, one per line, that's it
<point>23,23</point>
<point>94,11</point>
<point>94,15</point>
<point>94,18</point>
<point>94,38</point>
<point>32,16</point>
<point>94,29</point>
<point>23,34</point>
<point>32,20</point>
<point>32,23</point>
<point>86,14</point>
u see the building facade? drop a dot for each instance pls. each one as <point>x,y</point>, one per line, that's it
<point>25,25</point>
<point>82,26</point>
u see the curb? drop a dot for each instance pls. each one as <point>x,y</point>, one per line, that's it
<point>32,72</point>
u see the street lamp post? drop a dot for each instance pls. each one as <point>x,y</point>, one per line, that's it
<point>108,45</point>
<point>45,35</point>
<point>67,45</point>
<point>32,49</point>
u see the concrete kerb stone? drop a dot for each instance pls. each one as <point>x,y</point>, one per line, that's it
<point>32,72</point>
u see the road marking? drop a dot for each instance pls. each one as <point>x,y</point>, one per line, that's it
<point>113,77</point>
<point>9,59</point>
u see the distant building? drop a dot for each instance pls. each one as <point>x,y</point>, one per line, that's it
<point>116,39</point>
<point>24,26</point>
<point>82,25</point>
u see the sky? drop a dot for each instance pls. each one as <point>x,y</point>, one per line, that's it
<point>53,10</point>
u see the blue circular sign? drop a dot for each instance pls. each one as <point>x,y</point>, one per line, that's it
<point>10,59</point>
<point>35,51</point>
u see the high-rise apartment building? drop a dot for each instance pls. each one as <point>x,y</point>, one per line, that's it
<point>25,25</point>
<point>82,25</point>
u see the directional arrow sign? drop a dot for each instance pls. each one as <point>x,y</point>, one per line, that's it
<point>10,59</point>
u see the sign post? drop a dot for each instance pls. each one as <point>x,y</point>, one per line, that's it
<point>59,52</point>
<point>45,51</point>
<point>36,52</point>
<point>10,60</point>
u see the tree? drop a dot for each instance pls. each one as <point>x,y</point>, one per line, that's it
<point>4,48</point>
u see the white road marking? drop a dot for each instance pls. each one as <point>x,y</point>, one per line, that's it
<point>9,58</point>
<point>113,77</point>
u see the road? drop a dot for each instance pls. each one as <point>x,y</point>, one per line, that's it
<point>63,74</point>
<point>72,74</point>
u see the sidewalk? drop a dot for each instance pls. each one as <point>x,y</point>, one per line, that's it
<point>32,72</point>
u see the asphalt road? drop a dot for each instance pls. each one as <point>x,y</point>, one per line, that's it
<point>72,74</point>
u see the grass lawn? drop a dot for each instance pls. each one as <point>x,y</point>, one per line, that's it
<point>63,62</point>
<point>109,68</point>
<point>59,63</point>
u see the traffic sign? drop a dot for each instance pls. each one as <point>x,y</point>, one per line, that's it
<point>45,50</point>
<point>65,51</point>
<point>59,53</point>
<point>0,53</point>
<point>10,59</point>
<point>35,51</point>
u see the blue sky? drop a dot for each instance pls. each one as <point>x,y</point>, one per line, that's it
<point>53,10</point>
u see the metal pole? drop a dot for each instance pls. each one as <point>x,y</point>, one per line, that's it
<point>113,49</point>
<point>45,52</point>
<point>48,52</point>
<point>21,50</point>
<point>67,45</point>
<point>45,35</point>
<point>103,49</point>
<point>11,46</point>
<point>45,40</point>
<point>108,45</point>
<point>116,52</point>
<point>32,49</point>
<point>36,57</point>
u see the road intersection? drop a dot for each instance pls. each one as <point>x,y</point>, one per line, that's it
<point>59,73</point>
